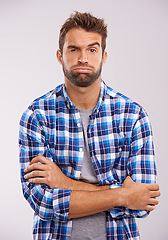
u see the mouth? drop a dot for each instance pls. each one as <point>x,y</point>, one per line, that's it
<point>82,70</point>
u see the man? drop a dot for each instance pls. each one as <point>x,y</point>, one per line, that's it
<point>86,151</point>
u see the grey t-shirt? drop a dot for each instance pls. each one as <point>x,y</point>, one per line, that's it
<point>94,226</point>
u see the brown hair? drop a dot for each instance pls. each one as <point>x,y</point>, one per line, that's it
<point>85,21</point>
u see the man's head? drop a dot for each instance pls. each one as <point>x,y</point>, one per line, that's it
<point>82,49</point>
<point>87,22</point>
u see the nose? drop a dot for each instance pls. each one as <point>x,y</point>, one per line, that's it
<point>83,57</point>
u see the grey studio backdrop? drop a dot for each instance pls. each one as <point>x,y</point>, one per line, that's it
<point>136,66</point>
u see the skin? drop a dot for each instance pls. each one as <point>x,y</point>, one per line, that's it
<point>82,54</point>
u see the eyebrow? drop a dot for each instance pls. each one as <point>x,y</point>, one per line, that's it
<point>95,43</point>
<point>90,45</point>
<point>73,46</point>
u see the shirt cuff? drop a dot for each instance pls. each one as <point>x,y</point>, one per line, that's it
<point>61,198</point>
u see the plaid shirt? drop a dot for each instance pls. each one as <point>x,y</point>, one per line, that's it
<point>120,144</point>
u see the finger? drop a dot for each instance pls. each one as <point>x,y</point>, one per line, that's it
<point>40,159</point>
<point>150,207</point>
<point>153,187</point>
<point>153,201</point>
<point>35,166</point>
<point>154,194</point>
<point>38,180</point>
<point>129,179</point>
<point>34,174</point>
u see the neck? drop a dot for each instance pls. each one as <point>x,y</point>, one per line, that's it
<point>84,97</point>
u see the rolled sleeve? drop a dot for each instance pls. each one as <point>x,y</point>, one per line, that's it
<point>61,200</point>
<point>141,163</point>
<point>48,204</point>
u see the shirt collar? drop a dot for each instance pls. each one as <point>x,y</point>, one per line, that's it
<point>67,99</point>
<point>71,105</point>
<point>103,91</point>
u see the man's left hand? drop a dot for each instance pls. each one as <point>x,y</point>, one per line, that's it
<point>43,171</point>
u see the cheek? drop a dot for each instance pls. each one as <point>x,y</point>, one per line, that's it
<point>97,63</point>
<point>95,59</point>
<point>69,61</point>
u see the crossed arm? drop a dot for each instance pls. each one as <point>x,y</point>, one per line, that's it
<point>87,199</point>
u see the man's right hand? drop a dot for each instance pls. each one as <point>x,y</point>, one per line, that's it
<point>139,196</point>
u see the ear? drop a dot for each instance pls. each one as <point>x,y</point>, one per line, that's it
<point>104,58</point>
<point>59,56</point>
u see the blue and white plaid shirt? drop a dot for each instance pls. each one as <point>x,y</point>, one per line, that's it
<point>120,143</point>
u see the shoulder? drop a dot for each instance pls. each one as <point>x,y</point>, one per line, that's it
<point>128,114</point>
<point>42,106</point>
<point>47,100</point>
<point>124,110</point>
<point>123,103</point>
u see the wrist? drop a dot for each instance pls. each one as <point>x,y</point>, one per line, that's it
<point>104,187</point>
<point>121,197</point>
<point>70,183</point>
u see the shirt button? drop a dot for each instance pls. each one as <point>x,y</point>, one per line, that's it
<point>78,124</point>
<point>120,149</point>
<point>81,149</point>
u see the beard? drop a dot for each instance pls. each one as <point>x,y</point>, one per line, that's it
<point>82,79</point>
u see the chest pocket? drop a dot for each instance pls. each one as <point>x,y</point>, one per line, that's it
<point>111,147</point>
<point>118,156</point>
<point>111,154</point>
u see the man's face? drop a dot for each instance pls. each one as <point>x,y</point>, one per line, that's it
<point>82,57</point>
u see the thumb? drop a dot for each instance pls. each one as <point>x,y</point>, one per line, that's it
<point>127,181</point>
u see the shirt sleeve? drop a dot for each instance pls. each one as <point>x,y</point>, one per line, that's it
<point>141,163</point>
<point>49,204</point>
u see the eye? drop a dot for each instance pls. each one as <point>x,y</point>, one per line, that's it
<point>73,50</point>
<point>92,50</point>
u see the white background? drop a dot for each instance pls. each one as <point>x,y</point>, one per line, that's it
<point>137,66</point>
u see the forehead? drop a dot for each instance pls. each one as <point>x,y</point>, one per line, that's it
<point>82,38</point>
